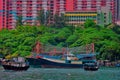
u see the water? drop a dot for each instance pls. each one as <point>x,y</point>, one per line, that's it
<point>61,74</point>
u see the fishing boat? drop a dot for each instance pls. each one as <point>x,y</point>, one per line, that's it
<point>15,64</point>
<point>53,59</point>
<point>56,63</point>
<point>70,61</point>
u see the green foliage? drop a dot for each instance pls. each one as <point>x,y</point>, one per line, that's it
<point>22,39</point>
<point>71,39</point>
<point>19,21</point>
<point>63,34</point>
<point>115,28</point>
<point>43,17</point>
<point>89,23</point>
<point>59,21</point>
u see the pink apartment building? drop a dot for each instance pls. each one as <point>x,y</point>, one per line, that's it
<point>28,9</point>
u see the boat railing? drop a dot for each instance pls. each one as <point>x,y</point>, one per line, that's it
<point>15,63</point>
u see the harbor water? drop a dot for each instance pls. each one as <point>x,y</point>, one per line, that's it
<point>61,74</point>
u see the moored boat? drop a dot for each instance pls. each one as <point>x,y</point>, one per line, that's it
<point>54,59</point>
<point>117,65</point>
<point>38,60</point>
<point>0,61</point>
<point>91,66</point>
<point>16,64</point>
<point>55,63</point>
<point>70,61</point>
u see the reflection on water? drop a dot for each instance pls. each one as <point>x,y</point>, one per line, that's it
<point>61,74</point>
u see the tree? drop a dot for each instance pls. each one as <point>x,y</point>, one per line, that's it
<point>59,21</point>
<point>116,28</point>
<point>110,50</point>
<point>89,23</point>
<point>43,17</point>
<point>22,39</point>
<point>62,35</point>
<point>47,17</point>
<point>71,39</point>
<point>19,21</point>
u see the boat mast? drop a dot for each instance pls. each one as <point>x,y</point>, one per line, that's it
<point>93,48</point>
<point>90,48</point>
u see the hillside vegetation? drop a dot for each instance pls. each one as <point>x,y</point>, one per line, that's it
<point>21,40</point>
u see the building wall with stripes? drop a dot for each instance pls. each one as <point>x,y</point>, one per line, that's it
<point>29,9</point>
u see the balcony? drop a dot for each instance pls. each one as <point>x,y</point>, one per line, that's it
<point>28,14</point>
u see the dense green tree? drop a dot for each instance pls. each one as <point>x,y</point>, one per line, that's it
<point>43,17</point>
<point>115,28</point>
<point>89,23</point>
<point>19,21</point>
<point>71,39</point>
<point>22,39</point>
<point>59,21</point>
<point>63,34</point>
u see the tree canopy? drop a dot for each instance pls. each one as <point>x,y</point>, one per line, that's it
<point>22,39</point>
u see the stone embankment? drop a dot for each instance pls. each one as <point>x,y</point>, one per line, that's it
<point>108,63</point>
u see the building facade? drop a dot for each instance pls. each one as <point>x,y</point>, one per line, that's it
<point>79,17</point>
<point>3,14</point>
<point>27,9</point>
<point>104,9</point>
<point>73,9</point>
<point>118,10</point>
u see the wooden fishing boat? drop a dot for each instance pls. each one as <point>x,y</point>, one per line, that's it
<point>17,65</point>
<point>86,62</point>
<point>56,63</point>
<point>52,59</point>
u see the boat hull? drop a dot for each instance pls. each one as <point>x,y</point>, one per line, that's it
<point>52,64</point>
<point>15,68</point>
<point>91,67</point>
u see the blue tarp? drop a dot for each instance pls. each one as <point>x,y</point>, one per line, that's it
<point>85,55</point>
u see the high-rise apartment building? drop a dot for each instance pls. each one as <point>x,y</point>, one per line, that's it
<point>27,9</point>
<point>3,14</point>
<point>118,10</point>
<point>117,15</point>
<point>77,11</point>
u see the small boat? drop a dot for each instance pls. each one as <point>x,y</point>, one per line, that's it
<point>91,66</point>
<point>16,64</point>
<point>117,65</point>
<point>0,61</point>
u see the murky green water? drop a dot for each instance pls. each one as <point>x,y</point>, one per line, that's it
<point>61,74</point>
